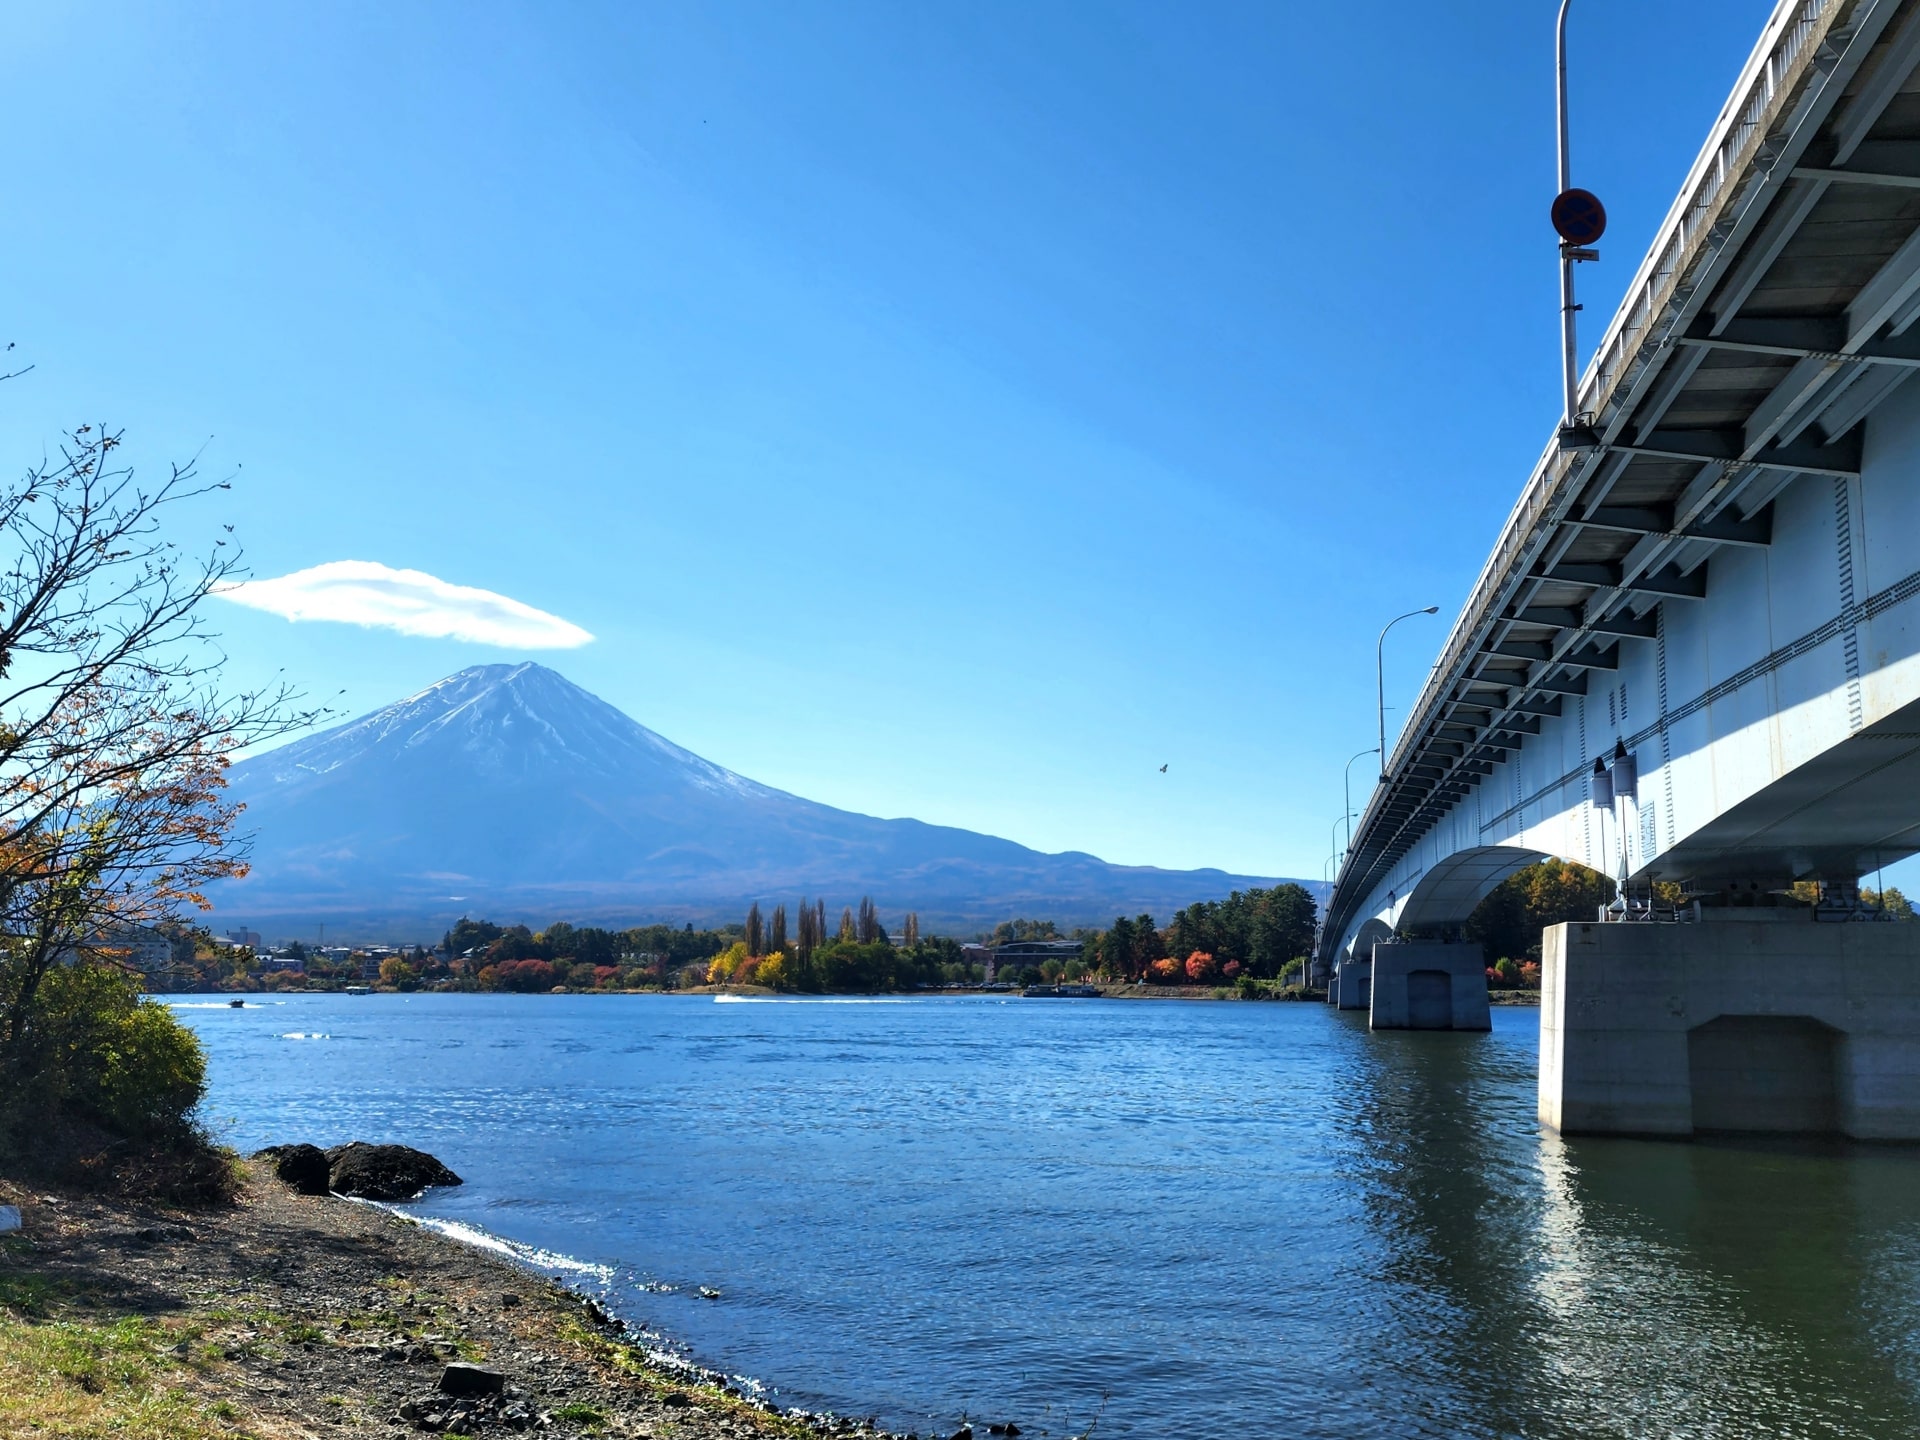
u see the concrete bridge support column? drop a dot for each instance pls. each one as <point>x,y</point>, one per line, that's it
<point>1429,985</point>
<point>1751,1020</point>
<point>1352,984</point>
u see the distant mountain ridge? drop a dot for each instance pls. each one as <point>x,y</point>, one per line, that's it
<point>509,792</point>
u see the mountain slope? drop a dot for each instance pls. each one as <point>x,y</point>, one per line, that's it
<point>508,791</point>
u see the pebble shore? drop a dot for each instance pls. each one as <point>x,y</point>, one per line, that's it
<point>292,1315</point>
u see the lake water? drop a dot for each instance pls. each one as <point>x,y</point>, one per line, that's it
<point>1155,1218</point>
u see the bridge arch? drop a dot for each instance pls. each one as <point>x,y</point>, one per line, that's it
<point>1372,933</point>
<point>1449,891</point>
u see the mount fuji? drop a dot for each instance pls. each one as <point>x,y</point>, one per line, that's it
<point>508,792</point>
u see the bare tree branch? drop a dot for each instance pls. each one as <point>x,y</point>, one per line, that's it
<point>115,732</point>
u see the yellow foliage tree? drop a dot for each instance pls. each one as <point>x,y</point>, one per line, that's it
<point>724,967</point>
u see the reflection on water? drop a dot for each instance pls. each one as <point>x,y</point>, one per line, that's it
<point>1603,1287</point>
<point>1191,1219</point>
<point>1725,1288</point>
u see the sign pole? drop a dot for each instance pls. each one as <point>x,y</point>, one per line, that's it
<point>1569,375</point>
<point>1580,219</point>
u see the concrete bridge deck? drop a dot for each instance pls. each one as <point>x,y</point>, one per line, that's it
<point>1725,581</point>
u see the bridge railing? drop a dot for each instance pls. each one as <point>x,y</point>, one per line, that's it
<point>1693,231</point>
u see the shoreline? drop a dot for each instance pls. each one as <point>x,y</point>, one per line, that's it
<point>287,1315</point>
<point>758,992</point>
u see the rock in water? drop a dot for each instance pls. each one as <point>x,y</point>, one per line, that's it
<point>385,1172</point>
<point>302,1168</point>
<point>461,1378</point>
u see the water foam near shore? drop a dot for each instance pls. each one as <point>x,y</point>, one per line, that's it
<point>922,1208</point>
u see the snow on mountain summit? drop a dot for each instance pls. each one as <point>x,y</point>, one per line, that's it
<point>503,719</point>
<point>507,790</point>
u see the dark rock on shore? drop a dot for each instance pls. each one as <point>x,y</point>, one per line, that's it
<point>471,1415</point>
<point>461,1378</point>
<point>384,1172</point>
<point>303,1168</point>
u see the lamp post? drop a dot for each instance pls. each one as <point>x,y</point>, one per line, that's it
<point>1347,785</point>
<point>1380,678</point>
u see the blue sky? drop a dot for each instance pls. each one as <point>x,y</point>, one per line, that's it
<point>948,410</point>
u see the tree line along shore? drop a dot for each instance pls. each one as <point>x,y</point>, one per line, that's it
<point>1252,945</point>
<point>1253,938</point>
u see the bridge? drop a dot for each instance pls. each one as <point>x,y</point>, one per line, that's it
<point>1717,577</point>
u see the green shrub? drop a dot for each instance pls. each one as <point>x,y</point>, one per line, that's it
<point>94,1050</point>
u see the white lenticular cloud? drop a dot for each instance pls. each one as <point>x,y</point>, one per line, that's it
<point>364,592</point>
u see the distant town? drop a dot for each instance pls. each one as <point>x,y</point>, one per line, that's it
<point>1253,942</point>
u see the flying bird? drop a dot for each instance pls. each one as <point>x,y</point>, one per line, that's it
<point>1163,769</point>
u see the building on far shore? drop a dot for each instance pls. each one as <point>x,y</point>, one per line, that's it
<point>1022,953</point>
<point>146,950</point>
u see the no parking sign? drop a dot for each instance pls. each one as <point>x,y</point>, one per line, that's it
<point>1579,217</point>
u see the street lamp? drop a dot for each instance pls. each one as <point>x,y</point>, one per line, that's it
<point>1347,785</point>
<point>1380,678</point>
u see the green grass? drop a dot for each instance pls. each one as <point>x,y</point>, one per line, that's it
<point>81,1379</point>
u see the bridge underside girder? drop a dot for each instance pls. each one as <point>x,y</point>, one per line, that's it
<point>1779,308</point>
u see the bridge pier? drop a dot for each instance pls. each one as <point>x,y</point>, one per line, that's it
<point>1352,987</point>
<point>1751,1020</point>
<point>1429,985</point>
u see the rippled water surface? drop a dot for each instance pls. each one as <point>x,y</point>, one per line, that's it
<point>1169,1219</point>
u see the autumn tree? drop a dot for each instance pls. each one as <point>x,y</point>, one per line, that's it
<point>1509,921</point>
<point>115,731</point>
<point>1896,905</point>
<point>114,738</point>
<point>1261,930</point>
<point>910,930</point>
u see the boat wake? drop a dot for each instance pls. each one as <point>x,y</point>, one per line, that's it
<point>812,1000</point>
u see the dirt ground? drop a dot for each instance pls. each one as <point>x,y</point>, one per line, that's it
<point>297,1316</point>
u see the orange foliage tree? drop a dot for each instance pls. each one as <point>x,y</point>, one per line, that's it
<point>114,731</point>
